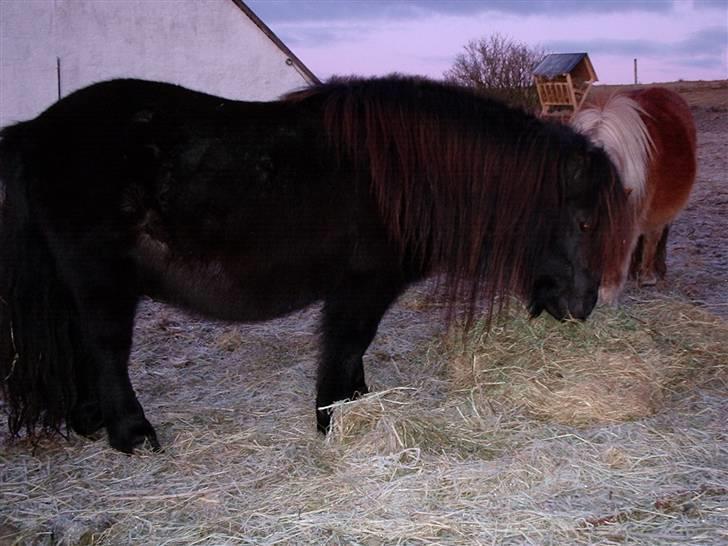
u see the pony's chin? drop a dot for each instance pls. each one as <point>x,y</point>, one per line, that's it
<point>559,310</point>
<point>555,309</point>
<point>535,309</point>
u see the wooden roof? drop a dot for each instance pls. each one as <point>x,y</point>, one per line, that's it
<point>559,64</point>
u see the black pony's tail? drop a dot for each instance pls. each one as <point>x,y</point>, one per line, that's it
<point>37,325</point>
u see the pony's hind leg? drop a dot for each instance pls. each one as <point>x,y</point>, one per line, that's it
<point>85,416</point>
<point>107,326</point>
<point>650,267</point>
<point>104,293</point>
<point>351,316</point>
<point>661,254</point>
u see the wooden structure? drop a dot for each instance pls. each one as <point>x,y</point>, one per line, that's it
<point>563,81</point>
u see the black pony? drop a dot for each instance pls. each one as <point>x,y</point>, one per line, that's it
<point>346,192</point>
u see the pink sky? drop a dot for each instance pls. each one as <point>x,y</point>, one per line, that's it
<point>681,39</point>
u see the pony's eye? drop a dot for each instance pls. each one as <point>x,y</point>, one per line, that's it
<point>584,226</point>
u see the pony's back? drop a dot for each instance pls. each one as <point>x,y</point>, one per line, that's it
<point>674,136</point>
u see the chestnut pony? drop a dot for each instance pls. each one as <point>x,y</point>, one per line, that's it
<point>650,136</point>
<point>344,193</point>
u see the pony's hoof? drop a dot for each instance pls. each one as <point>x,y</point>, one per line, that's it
<point>323,420</point>
<point>324,412</point>
<point>647,280</point>
<point>86,419</point>
<point>133,432</point>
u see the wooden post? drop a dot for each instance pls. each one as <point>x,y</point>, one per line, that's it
<point>635,71</point>
<point>572,96</point>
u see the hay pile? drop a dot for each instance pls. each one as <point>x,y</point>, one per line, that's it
<point>619,366</point>
<point>606,432</point>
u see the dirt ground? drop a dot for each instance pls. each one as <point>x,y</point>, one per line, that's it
<point>698,248</point>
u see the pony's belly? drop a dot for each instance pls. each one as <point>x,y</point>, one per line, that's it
<point>665,204</point>
<point>247,298</point>
<point>232,289</point>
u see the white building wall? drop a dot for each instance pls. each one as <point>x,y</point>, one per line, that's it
<point>207,45</point>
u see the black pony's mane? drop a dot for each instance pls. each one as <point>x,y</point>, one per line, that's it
<point>466,185</point>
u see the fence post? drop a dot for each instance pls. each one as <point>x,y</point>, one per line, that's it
<point>58,76</point>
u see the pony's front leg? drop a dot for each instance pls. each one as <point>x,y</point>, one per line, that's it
<point>351,316</point>
<point>615,277</point>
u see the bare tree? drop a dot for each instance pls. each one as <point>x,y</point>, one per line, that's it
<point>499,67</point>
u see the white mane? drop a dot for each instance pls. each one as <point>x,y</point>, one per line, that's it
<point>617,127</point>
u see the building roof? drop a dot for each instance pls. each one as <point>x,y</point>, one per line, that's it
<point>557,64</point>
<point>292,59</point>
